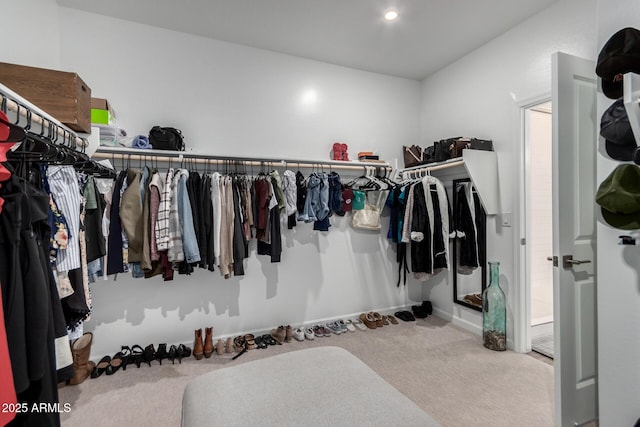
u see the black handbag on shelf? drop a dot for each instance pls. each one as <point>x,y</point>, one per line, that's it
<point>442,149</point>
<point>166,138</point>
<point>481,144</point>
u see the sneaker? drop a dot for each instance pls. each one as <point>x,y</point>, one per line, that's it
<point>318,331</point>
<point>342,325</point>
<point>333,327</point>
<point>298,334</point>
<point>349,325</point>
<point>309,334</point>
<point>358,324</point>
<point>325,331</point>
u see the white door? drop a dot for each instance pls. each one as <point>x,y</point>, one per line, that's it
<point>574,238</point>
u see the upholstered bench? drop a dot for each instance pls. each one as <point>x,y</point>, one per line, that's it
<point>325,386</point>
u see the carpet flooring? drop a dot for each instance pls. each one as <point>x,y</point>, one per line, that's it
<point>443,369</point>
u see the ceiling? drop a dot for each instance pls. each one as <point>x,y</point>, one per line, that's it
<point>428,34</point>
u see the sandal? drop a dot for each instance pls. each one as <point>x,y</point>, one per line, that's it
<point>368,320</point>
<point>260,342</point>
<point>405,316</point>
<point>378,319</point>
<point>136,355</point>
<point>243,350</point>
<point>392,319</point>
<point>250,342</point>
<point>239,343</point>
<point>268,340</point>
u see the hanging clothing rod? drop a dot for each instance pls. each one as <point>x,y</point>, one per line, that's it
<point>423,169</point>
<point>173,156</point>
<point>25,111</point>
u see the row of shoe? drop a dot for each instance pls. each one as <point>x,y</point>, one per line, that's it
<point>373,320</point>
<point>137,355</point>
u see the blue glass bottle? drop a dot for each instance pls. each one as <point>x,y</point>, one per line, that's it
<point>494,312</point>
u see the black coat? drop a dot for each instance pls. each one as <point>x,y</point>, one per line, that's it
<point>469,233</point>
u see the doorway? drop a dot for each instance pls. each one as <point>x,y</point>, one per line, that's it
<point>539,225</point>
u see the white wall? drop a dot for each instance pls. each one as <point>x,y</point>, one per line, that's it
<point>618,273</point>
<point>232,99</point>
<point>479,95</point>
<point>235,100</point>
<point>30,33</point>
<point>539,211</point>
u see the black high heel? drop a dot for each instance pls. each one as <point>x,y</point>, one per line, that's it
<point>126,356</point>
<point>161,353</point>
<point>101,367</point>
<point>184,351</point>
<point>115,364</point>
<point>149,354</point>
<point>173,353</point>
<point>136,355</point>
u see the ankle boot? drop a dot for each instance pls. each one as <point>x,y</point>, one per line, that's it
<point>345,154</point>
<point>198,345</point>
<point>208,342</point>
<point>81,350</point>
<point>220,347</point>
<point>337,151</point>
<point>288,333</point>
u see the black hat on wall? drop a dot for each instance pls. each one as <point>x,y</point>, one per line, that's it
<point>619,55</point>
<point>616,130</point>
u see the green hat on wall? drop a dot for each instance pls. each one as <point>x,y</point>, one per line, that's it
<point>619,197</point>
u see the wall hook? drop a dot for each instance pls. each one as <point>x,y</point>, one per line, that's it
<point>627,240</point>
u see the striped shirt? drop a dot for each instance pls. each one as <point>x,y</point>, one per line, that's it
<point>64,187</point>
<point>162,223</point>
<point>176,253</point>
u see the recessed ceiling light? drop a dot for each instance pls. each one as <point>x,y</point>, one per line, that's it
<point>391,15</point>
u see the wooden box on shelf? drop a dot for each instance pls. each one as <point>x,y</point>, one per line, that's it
<point>61,94</point>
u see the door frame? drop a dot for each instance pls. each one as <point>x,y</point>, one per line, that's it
<point>522,321</point>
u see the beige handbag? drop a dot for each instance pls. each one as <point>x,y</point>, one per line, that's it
<point>366,219</point>
<point>369,217</point>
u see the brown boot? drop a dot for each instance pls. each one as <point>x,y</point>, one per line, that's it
<point>198,345</point>
<point>208,342</point>
<point>288,333</point>
<point>279,334</point>
<point>81,350</point>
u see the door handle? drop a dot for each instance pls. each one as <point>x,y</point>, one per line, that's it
<point>568,261</point>
<point>554,259</point>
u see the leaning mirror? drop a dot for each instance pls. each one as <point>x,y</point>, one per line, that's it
<point>469,245</point>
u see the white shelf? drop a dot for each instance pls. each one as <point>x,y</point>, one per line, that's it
<point>480,166</point>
